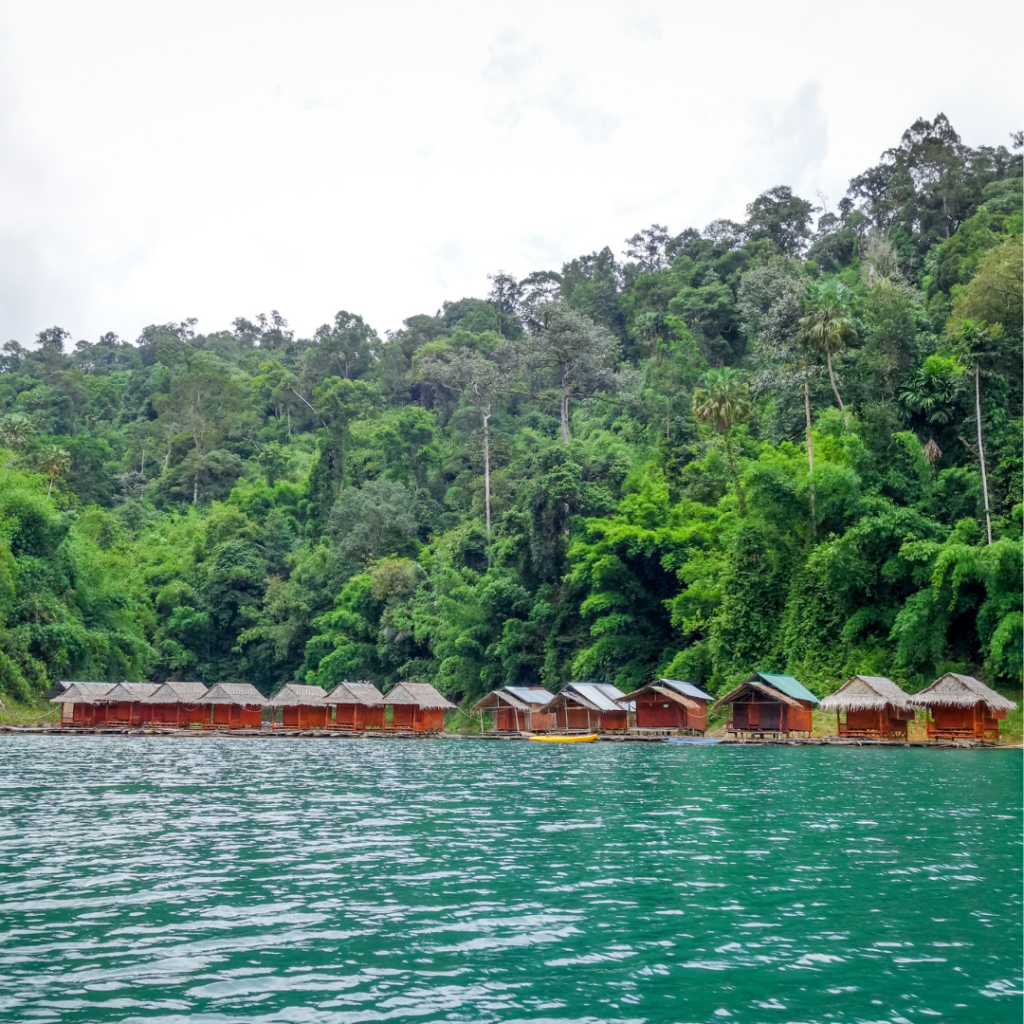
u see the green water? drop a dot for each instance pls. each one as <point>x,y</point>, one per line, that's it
<point>321,882</point>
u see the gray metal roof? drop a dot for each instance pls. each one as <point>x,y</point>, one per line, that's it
<point>602,696</point>
<point>686,689</point>
<point>529,694</point>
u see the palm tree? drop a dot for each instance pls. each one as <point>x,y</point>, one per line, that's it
<point>15,429</point>
<point>54,462</point>
<point>827,327</point>
<point>723,401</point>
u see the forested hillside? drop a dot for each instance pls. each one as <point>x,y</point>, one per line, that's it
<point>791,444</point>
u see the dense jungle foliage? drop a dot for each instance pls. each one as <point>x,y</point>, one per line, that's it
<point>758,445</point>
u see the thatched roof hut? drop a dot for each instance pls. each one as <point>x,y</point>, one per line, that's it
<point>874,707</point>
<point>356,707</point>
<point>177,703</point>
<point>958,691</point>
<point>415,707</point>
<point>302,707</point>
<point>866,693</point>
<point>962,708</point>
<point>235,706</point>
<point>81,703</point>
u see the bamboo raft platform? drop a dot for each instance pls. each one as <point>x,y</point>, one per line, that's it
<point>335,734</point>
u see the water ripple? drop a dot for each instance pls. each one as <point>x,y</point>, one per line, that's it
<point>219,880</point>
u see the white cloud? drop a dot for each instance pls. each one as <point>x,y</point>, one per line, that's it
<point>217,159</point>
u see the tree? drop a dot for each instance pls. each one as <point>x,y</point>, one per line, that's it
<point>648,248</point>
<point>338,402</point>
<point>781,217</point>
<point>974,347</point>
<point>574,354</point>
<point>348,348</point>
<point>505,295</point>
<point>723,401</point>
<point>15,430</point>
<point>54,462</point>
<point>480,383</point>
<point>828,326</point>
<point>52,339</point>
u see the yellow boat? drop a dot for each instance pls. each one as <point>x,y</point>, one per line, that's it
<point>588,738</point>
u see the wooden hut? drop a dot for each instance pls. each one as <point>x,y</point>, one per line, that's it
<point>233,706</point>
<point>516,709</point>
<point>415,707</point>
<point>962,708</point>
<point>80,704</point>
<point>588,707</point>
<point>873,706</point>
<point>302,707</point>
<point>355,707</point>
<point>767,705</point>
<point>670,705</point>
<point>176,704</point>
<point>128,704</point>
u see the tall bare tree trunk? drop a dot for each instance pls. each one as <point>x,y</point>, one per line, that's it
<point>565,414</point>
<point>50,489</point>
<point>810,457</point>
<point>195,488</point>
<point>832,377</point>
<point>740,499</point>
<point>981,450</point>
<point>487,470</point>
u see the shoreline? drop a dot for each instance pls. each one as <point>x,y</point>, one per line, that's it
<point>317,734</point>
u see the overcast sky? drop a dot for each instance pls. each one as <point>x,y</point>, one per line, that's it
<point>220,159</point>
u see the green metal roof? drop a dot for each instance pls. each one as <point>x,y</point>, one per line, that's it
<point>787,684</point>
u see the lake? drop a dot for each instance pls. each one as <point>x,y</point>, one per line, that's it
<point>326,881</point>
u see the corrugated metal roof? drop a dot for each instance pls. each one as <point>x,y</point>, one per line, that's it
<point>602,696</point>
<point>787,684</point>
<point>529,694</point>
<point>687,689</point>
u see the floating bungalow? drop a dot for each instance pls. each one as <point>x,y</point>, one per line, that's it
<point>234,706</point>
<point>588,707</point>
<point>516,709</point>
<point>670,705</point>
<point>175,704</point>
<point>127,704</point>
<point>80,704</point>
<point>356,707</point>
<point>415,707</point>
<point>962,708</point>
<point>870,706</point>
<point>302,707</point>
<point>767,705</point>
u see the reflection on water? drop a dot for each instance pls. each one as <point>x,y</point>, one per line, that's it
<point>328,881</point>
